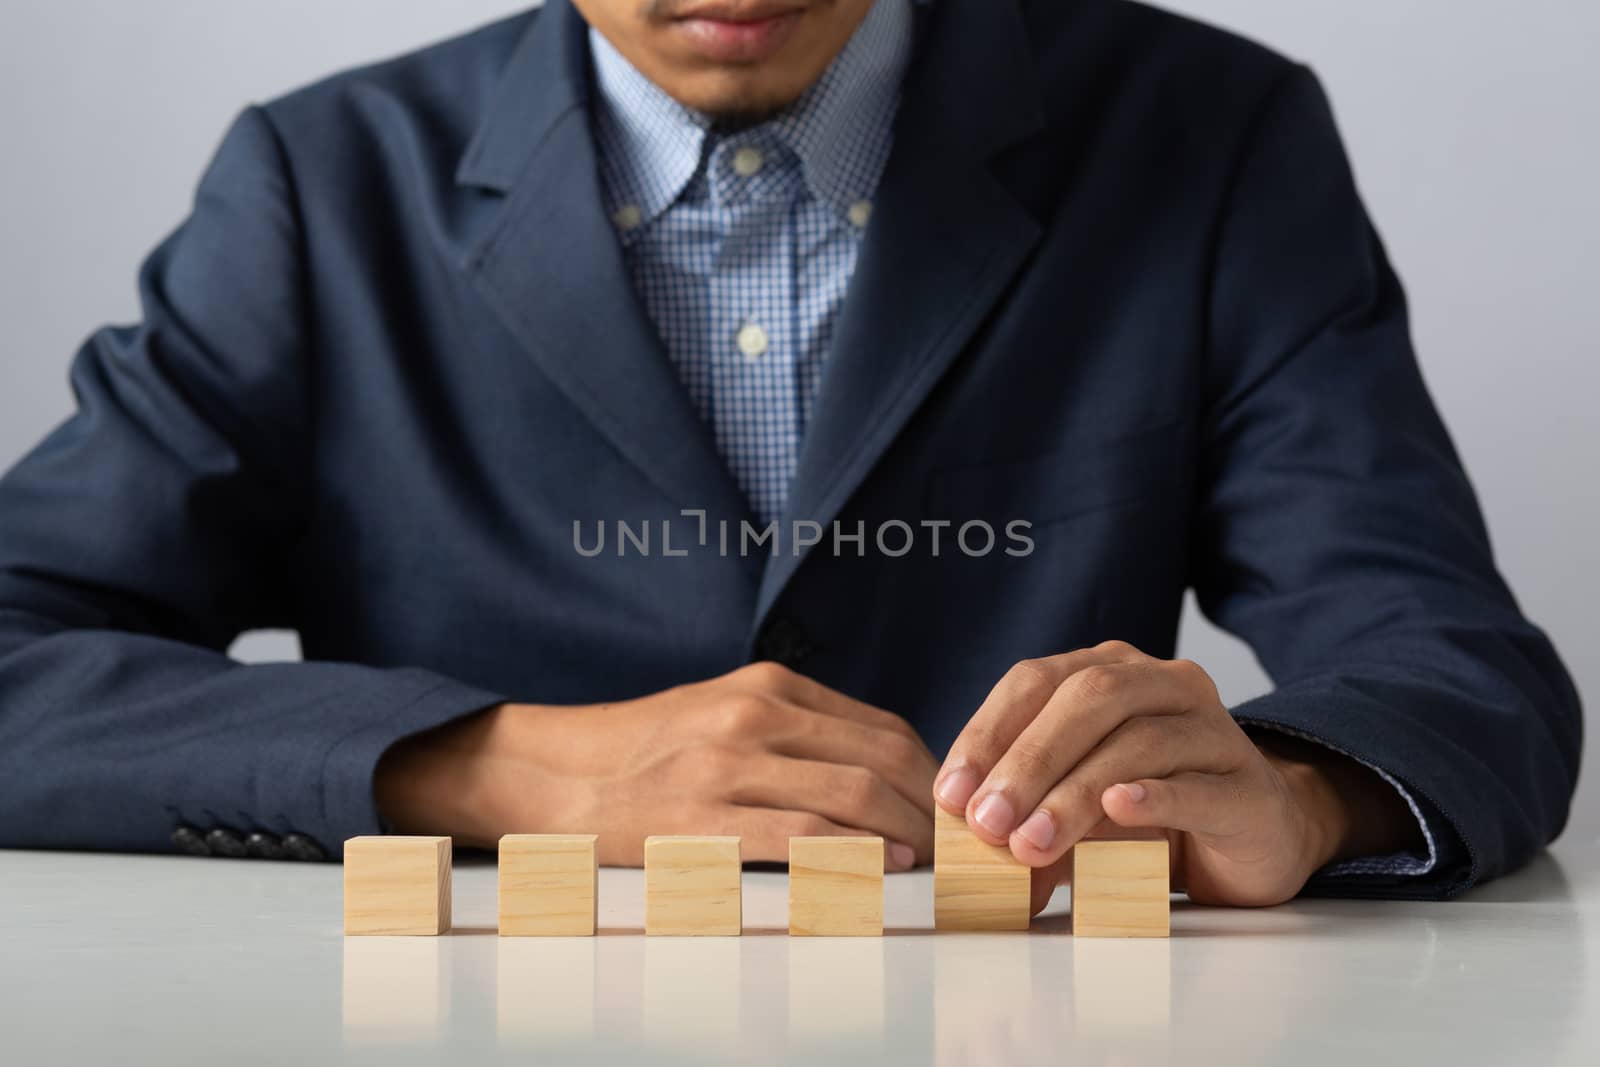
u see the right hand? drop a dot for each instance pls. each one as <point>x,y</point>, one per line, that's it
<point>762,753</point>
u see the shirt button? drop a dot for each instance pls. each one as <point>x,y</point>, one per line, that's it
<point>747,162</point>
<point>860,214</point>
<point>753,341</point>
<point>627,217</point>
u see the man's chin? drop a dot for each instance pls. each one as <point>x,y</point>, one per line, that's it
<point>736,118</point>
<point>739,102</point>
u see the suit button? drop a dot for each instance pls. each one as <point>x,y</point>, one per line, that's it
<point>784,641</point>
<point>301,847</point>
<point>263,846</point>
<point>224,842</point>
<point>187,839</point>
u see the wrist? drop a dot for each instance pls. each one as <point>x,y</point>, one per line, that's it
<point>431,783</point>
<point>1325,828</point>
<point>1350,811</point>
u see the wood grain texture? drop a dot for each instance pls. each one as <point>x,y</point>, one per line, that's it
<point>976,885</point>
<point>836,886</point>
<point>1121,889</point>
<point>692,887</point>
<point>397,885</point>
<point>547,885</point>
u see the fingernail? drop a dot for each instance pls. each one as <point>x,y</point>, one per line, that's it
<point>958,786</point>
<point>901,856</point>
<point>994,814</point>
<point>1135,792</point>
<point>1039,829</point>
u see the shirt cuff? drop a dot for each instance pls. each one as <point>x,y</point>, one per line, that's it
<point>1396,864</point>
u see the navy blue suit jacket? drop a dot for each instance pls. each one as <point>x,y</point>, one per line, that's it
<point>1119,284</point>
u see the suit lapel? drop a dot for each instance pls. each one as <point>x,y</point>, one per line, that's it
<point>552,269</point>
<point>945,240</point>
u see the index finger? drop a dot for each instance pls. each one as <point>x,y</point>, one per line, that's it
<point>1011,705</point>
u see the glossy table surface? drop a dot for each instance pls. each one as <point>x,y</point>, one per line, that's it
<point>138,959</point>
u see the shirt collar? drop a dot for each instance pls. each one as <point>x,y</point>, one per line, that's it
<point>841,129</point>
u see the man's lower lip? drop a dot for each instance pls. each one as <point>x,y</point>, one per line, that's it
<point>747,42</point>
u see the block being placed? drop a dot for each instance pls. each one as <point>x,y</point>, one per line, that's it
<point>397,885</point>
<point>691,887</point>
<point>836,886</point>
<point>976,885</point>
<point>547,885</point>
<point>1121,888</point>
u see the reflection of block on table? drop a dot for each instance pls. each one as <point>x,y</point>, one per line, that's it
<point>692,886</point>
<point>545,990</point>
<point>976,885</point>
<point>985,992</point>
<point>835,988</point>
<point>394,990</point>
<point>547,885</point>
<point>1121,888</point>
<point>836,886</point>
<point>1122,991</point>
<point>397,885</point>
<point>691,998</point>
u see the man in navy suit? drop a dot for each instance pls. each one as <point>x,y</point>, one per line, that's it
<point>694,415</point>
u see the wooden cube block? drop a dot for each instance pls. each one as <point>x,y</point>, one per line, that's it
<point>547,885</point>
<point>836,886</point>
<point>1121,888</point>
<point>397,885</point>
<point>691,887</point>
<point>976,885</point>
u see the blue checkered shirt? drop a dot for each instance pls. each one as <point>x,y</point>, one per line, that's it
<point>741,247</point>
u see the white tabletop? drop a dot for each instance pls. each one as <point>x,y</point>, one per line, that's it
<point>140,959</point>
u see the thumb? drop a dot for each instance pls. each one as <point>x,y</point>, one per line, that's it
<point>1045,880</point>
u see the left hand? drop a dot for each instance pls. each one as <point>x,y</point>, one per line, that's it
<point>1066,742</point>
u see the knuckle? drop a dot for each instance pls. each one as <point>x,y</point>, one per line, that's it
<point>765,675</point>
<point>1101,682</point>
<point>980,746</point>
<point>745,714</point>
<point>902,730</point>
<point>1032,675</point>
<point>1118,648</point>
<point>859,789</point>
<point>1192,674</point>
<point>901,751</point>
<point>1029,762</point>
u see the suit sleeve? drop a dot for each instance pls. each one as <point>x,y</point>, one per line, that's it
<point>1340,537</point>
<point>155,525</point>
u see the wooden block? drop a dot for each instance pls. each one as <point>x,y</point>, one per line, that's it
<point>547,885</point>
<point>397,885</point>
<point>1121,888</point>
<point>976,885</point>
<point>691,887</point>
<point>836,886</point>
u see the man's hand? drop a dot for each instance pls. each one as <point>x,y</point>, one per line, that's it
<point>762,753</point>
<point>1065,743</point>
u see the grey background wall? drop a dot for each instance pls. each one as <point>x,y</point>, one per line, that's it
<point>1472,123</point>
